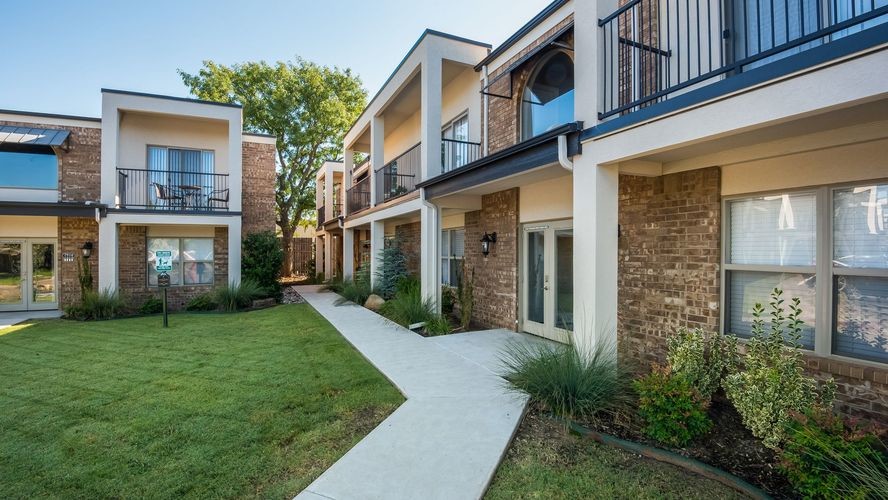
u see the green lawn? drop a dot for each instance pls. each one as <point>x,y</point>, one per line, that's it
<point>254,404</point>
<point>546,462</point>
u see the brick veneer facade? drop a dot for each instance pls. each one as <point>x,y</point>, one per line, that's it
<point>258,187</point>
<point>73,233</point>
<point>495,276</point>
<point>503,114</point>
<point>133,268</point>
<point>408,237</point>
<point>669,277</point>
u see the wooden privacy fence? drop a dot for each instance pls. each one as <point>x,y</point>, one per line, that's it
<point>301,256</point>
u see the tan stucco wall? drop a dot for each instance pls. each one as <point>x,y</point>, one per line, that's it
<point>12,226</point>
<point>453,221</point>
<point>857,162</point>
<point>546,200</point>
<point>460,96</point>
<point>175,231</point>
<point>139,130</point>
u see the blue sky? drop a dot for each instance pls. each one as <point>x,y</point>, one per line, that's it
<point>60,53</point>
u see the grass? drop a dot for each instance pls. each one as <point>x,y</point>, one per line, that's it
<point>546,462</point>
<point>252,404</point>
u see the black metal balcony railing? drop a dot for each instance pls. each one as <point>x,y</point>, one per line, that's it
<point>359,166</point>
<point>399,176</point>
<point>654,49</point>
<point>172,190</point>
<point>358,196</point>
<point>455,154</point>
<point>337,209</point>
<point>322,215</point>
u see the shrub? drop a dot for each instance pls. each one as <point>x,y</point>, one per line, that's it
<point>673,410</point>
<point>203,302</point>
<point>97,305</point>
<point>465,295</point>
<point>262,261</point>
<point>335,285</point>
<point>84,276</point>
<point>772,386</point>
<point>447,300</point>
<point>356,290</point>
<point>826,458</point>
<point>408,306</point>
<point>437,324</point>
<point>565,381</point>
<point>702,360</point>
<point>236,296</point>
<point>392,269</point>
<point>151,306</point>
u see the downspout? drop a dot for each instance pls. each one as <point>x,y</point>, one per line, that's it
<point>484,109</point>
<point>433,207</point>
<point>563,159</point>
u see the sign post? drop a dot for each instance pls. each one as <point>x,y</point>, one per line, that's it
<point>163,264</point>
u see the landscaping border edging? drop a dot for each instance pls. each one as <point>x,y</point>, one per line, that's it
<point>666,456</point>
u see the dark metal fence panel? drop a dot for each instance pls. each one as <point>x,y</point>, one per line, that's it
<point>172,190</point>
<point>358,196</point>
<point>302,257</point>
<point>455,154</point>
<point>399,176</point>
<point>654,49</point>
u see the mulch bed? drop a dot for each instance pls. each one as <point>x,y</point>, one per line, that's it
<point>729,446</point>
<point>291,296</point>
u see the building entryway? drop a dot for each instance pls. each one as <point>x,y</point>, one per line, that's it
<point>28,275</point>
<point>547,279</point>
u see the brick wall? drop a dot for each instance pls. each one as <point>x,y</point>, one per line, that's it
<point>495,276</point>
<point>669,251</point>
<point>409,239</point>
<point>258,187</point>
<point>503,114</point>
<point>133,268</point>
<point>669,275</point>
<point>80,162</point>
<point>73,233</point>
<point>640,24</point>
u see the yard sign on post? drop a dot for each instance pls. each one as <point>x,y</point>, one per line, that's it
<point>163,263</point>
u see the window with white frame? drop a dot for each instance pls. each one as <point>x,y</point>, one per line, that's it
<point>192,260</point>
<point>453,246</point>
<point>455,148</point>
<point>826,246</point>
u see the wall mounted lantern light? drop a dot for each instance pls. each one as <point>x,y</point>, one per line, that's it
<point>86,249</point>
<point>486,241</point>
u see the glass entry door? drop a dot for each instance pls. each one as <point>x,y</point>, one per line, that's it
<point>547,279</point>
<point>28,278</point>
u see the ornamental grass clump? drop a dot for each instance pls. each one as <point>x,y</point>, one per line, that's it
<point>566,381</point>
<point>408,307</point>
<point>772,385</point>
<point>355,291</point>
<point>236,296</point>
<point>702,360</point>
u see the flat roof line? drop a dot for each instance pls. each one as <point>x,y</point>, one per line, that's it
<point>49,115</point>
<point>171,98</point>
<point>512,40</point>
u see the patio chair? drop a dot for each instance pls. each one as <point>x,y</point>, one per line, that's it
<point>167,195</point>
<point>218,198</point>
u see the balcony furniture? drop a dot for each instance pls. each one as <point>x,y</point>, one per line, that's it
<point>167,195</point>
<point>190,194</point>
<point>218,198</point>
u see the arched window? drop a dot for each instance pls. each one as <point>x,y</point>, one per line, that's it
<point>548,98</point>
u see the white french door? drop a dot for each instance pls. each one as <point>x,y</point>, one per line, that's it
<point>547,279</point>
<point>28,277</point>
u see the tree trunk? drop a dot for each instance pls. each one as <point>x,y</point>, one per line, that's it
<point>287,243</point>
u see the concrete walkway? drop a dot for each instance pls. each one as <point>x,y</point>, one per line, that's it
<point>448,438</point>
<point>8,319</point>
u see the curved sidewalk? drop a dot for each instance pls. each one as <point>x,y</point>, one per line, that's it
<point>448,438</point>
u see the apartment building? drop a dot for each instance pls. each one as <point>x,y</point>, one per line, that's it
<point>153,172</point>
<point>638,166</point>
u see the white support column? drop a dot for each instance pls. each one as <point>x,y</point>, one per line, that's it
<point>329,182</point>
<point>595,253</point>
<point>377,242</point>
<point>348,164</point>
<point>319,256</point>
<point>234,250</point>
<point>429,256</point>
<point>430,117</point>
<point>108,255</point>
<point>377,154</point>
<point>348,253</point>
<point>328,255</point>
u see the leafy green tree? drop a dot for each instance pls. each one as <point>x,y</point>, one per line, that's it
<point>307,107</point>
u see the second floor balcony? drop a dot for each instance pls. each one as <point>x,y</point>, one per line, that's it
<point>655,50</point>
<point>358,196</point>
<point>170,190</point>
<point>399,176</point>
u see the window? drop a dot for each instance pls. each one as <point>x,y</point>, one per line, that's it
<point>30,168</point>
<point>778,240</point>
<point>548,99</point>
<point>455,146</point>
<point>453,246</point>
<point>192,260</point>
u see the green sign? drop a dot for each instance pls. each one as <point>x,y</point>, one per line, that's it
<point>164,260</point>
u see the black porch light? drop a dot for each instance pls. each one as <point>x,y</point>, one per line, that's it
<point>86,249</point>
<point>486,241</point>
